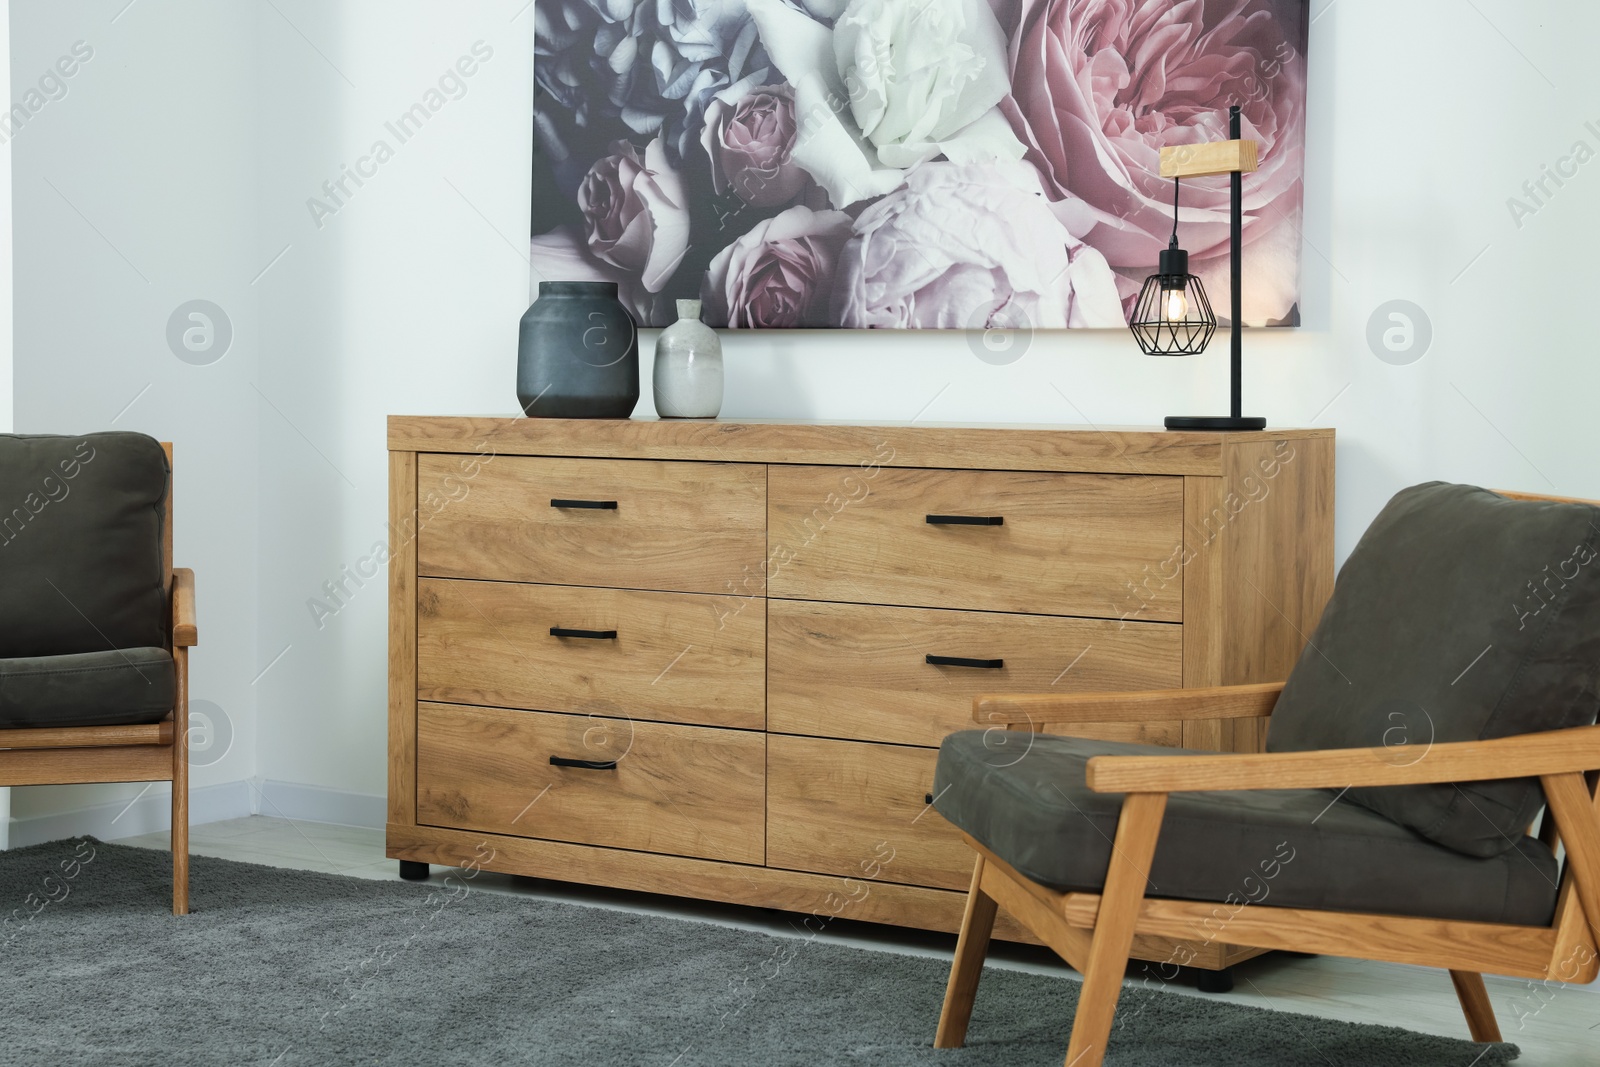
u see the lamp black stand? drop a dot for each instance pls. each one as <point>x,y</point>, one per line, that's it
<point>1234,421</point>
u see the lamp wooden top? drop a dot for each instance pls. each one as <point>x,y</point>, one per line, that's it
<point>1214,157</point>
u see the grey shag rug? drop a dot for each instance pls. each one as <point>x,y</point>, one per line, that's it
<point>289,967</point>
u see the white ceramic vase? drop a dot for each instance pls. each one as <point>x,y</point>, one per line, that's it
<point>688,373</point>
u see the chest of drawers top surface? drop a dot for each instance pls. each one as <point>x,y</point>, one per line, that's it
<point>1017,447</point>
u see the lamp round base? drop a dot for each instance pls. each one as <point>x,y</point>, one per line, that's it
<point>1215,422</point>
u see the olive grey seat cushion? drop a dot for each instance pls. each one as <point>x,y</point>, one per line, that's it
<point>1461,615</point>
<point>116,688</point>
<point>1024,798</point>
<point>83,600</point>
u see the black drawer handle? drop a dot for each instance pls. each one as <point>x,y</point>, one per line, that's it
<point>597,505</point>
<point>963,661</point>
<point>584,764</point>
<point>593,635</point>
<point>966,520</point>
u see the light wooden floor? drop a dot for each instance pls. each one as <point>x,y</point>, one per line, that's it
<point>1556,1026</point>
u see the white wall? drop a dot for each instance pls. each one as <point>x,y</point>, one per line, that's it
<point>135,193</point>
<point>407,299</point>
<point>1424,118</point>
<point>5,260</point>
<point>5,311</point>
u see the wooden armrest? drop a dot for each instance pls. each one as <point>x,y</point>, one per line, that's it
<point>184,632</point>
<point>1153,705</point>
<point>1523,756</point>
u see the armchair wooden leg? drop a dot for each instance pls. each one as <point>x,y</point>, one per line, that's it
<point>1134,848</point>
<point>976,926</point>
<point>1475,1005</point>
<point>180,787</point>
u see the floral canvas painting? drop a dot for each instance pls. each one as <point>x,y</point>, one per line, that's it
<point>910,164</point>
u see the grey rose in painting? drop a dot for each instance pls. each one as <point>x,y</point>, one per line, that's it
<point>653,64</point>
<point>908,164</point>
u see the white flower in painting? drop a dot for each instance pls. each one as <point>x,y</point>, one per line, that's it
<point>969,246</point>
<point>893,83</point>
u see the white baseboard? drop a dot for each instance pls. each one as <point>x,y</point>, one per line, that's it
<point>151,812</point>
<point>147,814</point>
<point>313,803</point>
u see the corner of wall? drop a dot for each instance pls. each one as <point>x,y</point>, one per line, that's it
<point>6,391</point>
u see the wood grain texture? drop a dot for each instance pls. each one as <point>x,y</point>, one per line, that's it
<point>1069,545</point>
<point>1131,854</point>
<point>185,630</point>
<point>1475,1005</point>
<point>1574,958</point>
<point>402,637</point>
<point>1107,449</point>
<point>683,790</point>
<point>1572,802</point>
<point>860,671</point>
<point>178,757</point>
<point>1277,545</point>
<point>78,766</point>
<point>1210,157</point>
<point>1218,702</point>
<point>961,991</point>
<point>830,803</point>
<point>156,733</point>
<point>676,657</point>
<point>684,527</point>
<point>1162,954</point>
<point>1552,752</point>
<point>1518,951</point>
<point>818,898</point>
<point>1205,632</point>
<point>1039,910</point>
<point>1011,891</point>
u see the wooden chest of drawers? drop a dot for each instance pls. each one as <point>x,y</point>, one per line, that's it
<point>716,659</point>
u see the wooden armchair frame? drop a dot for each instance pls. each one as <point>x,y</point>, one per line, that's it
<point>1094,931</point>
<point>157,752</point>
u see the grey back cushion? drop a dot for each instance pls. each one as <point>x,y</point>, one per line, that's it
<point>1461,615</point>
<point>80,543</point>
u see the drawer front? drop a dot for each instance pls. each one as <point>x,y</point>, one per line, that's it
<point>1069,544</point>
<point>682,790</point>
<point>673,657</point>
<point>833,806</point>
<point>687,527</point>
<point>861,671</point>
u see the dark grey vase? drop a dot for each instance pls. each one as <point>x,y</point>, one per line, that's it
<point>578,354</point>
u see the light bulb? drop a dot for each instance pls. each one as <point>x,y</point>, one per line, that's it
<point>1177,308</point>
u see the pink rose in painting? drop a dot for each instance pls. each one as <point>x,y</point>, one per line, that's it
<point>1099,87</point>
<point>971,247</point>
<point>779,275</point>
<point>751,143</point>
<point>636,212</point>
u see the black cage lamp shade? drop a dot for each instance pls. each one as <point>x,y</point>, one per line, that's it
<point>1173,315</point>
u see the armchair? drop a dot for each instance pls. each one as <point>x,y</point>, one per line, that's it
<point>95,623</point>
<point>1446,696</point>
